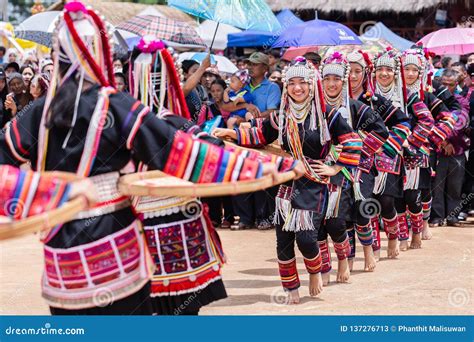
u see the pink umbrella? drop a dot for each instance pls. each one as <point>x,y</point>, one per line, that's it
<point>294,52</point>
<point>455,41</point>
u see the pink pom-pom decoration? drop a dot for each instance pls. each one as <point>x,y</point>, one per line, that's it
<point>150,46</point>
<point>75,6</point>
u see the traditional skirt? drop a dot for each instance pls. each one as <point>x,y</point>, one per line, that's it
<point>98,259</point>
<point>186,252</point>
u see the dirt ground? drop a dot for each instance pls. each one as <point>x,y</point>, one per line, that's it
<point>435,280</point>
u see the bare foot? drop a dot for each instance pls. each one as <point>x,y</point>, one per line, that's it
<point>293,297</point>
<point>404,245</point>
<point>326,278</point>
<point>426,234</point>
<point>315,284</point>
<point>392,250</point>
<point>370,261</point>
<point>351,264</point>
<point>415,241</point>
<point>377,255</point>
<point>343,272</point>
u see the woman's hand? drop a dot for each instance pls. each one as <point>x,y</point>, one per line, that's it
<point>86,188</point>
<point>299,169</point>
<point>245,125</point>
<point>223,133</point>
<point>206,62</point>
<point>325,170</point>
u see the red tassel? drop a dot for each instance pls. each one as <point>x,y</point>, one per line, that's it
<point>85,51</point>
<point>174,82</point>
<point>321,97</point>
<point>404,87</point>
<point>106,46</point>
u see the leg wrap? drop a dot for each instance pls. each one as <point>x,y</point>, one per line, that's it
<point>403,233</point>
<point>314,265</point>
<point>289,274</point>
<point>351,236</point>
<point>417,222</point>
<point>391,227</point>
<point>325,256</point>
<point>365,234</point>
<point>342,249</point>
<point>426,210</point>
<point>375,233</point>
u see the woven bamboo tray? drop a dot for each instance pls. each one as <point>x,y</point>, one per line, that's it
<point>10,229</point>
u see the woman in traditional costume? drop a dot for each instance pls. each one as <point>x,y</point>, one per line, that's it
<point>387,161</point>
<point>305,129</point>
<point>99,263</point>
<point>349,188</point>
<point>390,83</point>
<point>181,239</point>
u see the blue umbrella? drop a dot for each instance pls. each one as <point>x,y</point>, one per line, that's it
<point>244,14</point>
<point>263,38</point>
<point>317,32</point>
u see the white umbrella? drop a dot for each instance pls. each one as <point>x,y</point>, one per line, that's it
<point>39,29</point>
<point>207,29</point>
<point>223,64</point>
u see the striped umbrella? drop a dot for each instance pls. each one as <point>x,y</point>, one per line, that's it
<point>162,28</point>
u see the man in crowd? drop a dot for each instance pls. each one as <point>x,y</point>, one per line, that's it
<point>256,208</point>
<point>450,167</point>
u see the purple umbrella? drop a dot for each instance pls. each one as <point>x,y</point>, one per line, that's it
<point>317,32</point>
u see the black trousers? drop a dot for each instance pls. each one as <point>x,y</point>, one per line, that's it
<point>306,240</point>
<point>447,187</point>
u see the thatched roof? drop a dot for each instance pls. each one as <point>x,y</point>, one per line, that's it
<point>357,5</point>
<point>116,12</point>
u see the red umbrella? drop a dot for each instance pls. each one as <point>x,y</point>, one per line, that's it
<point>162,28</point>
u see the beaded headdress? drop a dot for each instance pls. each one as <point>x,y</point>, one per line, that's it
<point>420,58</point>
<point>314,104</point>
<point>395,92</point>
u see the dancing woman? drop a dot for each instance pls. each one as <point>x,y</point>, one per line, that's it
<point>387,162</point>
<point>180,237</point>
<point>390,83</point>
<point>98,263</point>
<point>306,129</point>
<point>347,189</point>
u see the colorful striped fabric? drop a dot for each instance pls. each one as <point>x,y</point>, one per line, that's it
<point>289,274</point>
<point>351,149</point>
<point>250,137</point>
<point>425,122</point>
<point>398,134</point>
<point>314,265</point>
<point>188,157</point>
<point>26,193</point>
